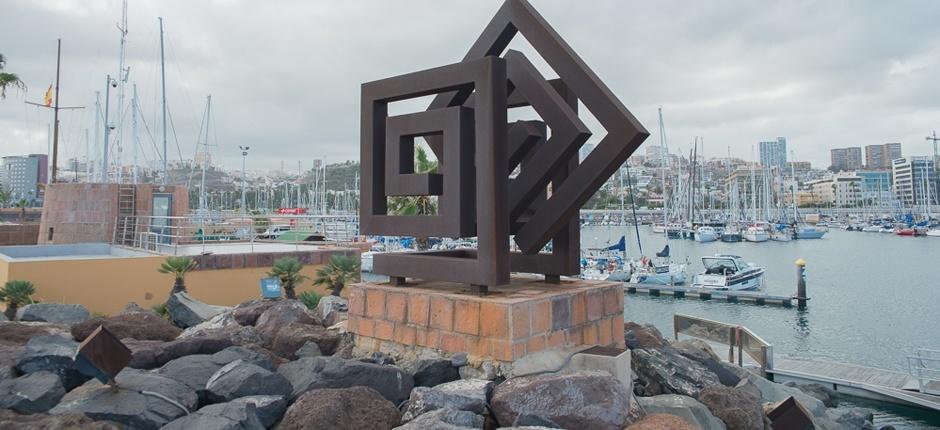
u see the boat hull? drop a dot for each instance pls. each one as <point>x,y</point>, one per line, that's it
<point>668,278</point>
<point>717,282</point>
<point>731,237</point>
<point>705,236</point>
<point>756,237</point>
<point>810,234</point>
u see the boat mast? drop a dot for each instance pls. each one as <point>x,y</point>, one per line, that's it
<point>753,191</point>
<point>205,160</point>
<point>122,79</point>
<point>134,130</point>
<point>663,151</point>
<point>163,90</point>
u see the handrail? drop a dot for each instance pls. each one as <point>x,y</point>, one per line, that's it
<point>919,367</point>
<point>746,341</point>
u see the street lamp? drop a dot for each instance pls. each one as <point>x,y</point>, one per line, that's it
<point>244,150</point>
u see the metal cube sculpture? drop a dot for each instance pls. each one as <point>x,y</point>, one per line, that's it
<point>478,152</point>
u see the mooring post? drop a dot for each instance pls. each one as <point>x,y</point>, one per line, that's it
<point>801,284</point>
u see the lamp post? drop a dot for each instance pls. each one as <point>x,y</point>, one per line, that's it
<point>107,127</point>
<point>244,150</point>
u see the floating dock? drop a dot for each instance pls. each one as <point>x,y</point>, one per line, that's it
<point>750,297</point>
<point>859,381</point>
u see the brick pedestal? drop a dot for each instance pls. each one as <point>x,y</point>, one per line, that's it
<point>523,317</point>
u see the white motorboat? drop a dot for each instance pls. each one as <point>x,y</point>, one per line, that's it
<point>706,234</point>
<point>871,229</point>
<point>755,234</point>
<point>781,235</point>
<point>934,232</point>
<point>660,274</point>
<point>728,272</point>
<point>810,232</point>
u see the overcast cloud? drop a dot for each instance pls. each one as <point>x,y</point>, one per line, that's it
<point>284,75</point>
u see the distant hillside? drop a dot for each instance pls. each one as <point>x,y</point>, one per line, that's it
<point>339,176</point>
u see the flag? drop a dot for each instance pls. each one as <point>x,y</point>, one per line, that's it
<point>47,99</point>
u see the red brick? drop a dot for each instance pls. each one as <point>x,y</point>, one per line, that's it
<point>421,336</point>
<point>520,320</point>
<point>405,334</point>
<point>357,302</point>
<point>574,336</point>
<point>588,334</point>
<point>418,309</point>
<point>535,344</point>
<point>578,309</point>
<point>611,303</point>
<point>467,317</point>
<point>479,346</point>
<point>541,317</point>
<point>494,320</point>
<point>442,313</point>
<point>433,338</point>
<point>616,331</point>
<point>595,305</point>
<point>556,339</point>
<point>384,330</point>
<point>352,324</point>
<point>603,332</point>
<point>504,350</point>
<point>366,327</point>
<point>395,308</point>
<point>375,304</point>
<point>452,342</point>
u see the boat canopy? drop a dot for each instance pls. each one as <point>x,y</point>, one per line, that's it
<point>723,263</point>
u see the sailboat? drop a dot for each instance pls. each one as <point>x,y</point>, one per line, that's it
<point>664,272</point>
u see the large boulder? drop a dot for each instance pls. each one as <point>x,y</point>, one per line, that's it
<point>10,420</point>
<point>661,422</point>
<point>689,409</point>
<point>53,312</point>
<point>430,372</point>
<point>585,399</point>
<point>331,310</point>
<point>241,378</point>
<point>771,392</point>
<point>220,321</point>
<point>310,349</point>
<point>853,418</point>
<point>332,372</point>
<point>643,336</point>
<point>52,354</point>
<point>223,416</point>
<point>32,393</point>
<point>14,333</point>
<point>738,408</point>
<point>823,393</point>
<point>140,402</point>
<point>447,419</point>
<point>341,408</point>
<point>132,325</point>
<point>269,409</point>
<point>464,395</point>
<point>278,316</point>
<point>665,371</point>
<point>186,311</point>
<point>293,336</point>
<point>247,313</point>
<point>194,371</point>
<point>152,354</point>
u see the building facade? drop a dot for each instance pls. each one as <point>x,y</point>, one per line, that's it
<point>846,159</point>
<point>879,157</point>
<point>23,174</point>
<point>876,188</point>
<point>840,190</point>
<point>773,153</point>
<point>914,180</point>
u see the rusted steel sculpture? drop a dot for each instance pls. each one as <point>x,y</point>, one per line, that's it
<point>478,152</point>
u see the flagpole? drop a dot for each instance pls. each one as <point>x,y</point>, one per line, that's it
<point>55,131</point>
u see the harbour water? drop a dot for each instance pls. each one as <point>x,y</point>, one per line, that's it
<point>874,298</point>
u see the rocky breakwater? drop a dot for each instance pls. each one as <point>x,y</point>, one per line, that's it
<point>686,379</point>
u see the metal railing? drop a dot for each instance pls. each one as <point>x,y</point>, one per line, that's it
<point>165,234</point>
<point>735,336</point>
<point>924,366</point>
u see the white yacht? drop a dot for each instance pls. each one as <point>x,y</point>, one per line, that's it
<point>755,234</point>
<point>728,272</point>
<point>706,234</point>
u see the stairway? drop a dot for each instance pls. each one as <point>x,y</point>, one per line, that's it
<point>126,229</point>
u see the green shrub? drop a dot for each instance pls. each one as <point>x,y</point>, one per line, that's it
<point>310,299</point>
<point>15,294</point>
<point>160,309</point>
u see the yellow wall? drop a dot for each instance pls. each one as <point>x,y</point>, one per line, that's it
<point>106,284</point>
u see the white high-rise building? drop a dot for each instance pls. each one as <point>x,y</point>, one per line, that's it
<point>914,180</point>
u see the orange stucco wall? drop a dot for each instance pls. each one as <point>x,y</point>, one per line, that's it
<point>106,285</point>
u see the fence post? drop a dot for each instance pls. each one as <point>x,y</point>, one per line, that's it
<point>737,331</point>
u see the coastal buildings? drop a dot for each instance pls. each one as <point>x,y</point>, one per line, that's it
<point>876,187</point>
<point>879,157</point>
<point>773,153</point>
<point>914,180</point>
<point>846,159</point>
<point>841,189</point>
<point>22,174</point>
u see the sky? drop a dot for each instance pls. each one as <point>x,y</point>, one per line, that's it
<point>285,75</point>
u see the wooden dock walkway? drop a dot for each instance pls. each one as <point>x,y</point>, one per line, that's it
<point>750,297</point>
<point>860,381</point>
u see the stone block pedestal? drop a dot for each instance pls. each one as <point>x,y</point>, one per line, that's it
<point>523,317</point>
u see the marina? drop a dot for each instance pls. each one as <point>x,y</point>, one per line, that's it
<point>748,297</point>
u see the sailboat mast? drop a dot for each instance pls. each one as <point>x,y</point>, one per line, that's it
<point>163,90</point>
<point>55,109</point>
<point>662,164</point>
<point>134,130</point>
<point>205,158</point>
<point>122,79</point>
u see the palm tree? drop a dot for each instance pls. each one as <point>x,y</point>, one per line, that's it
<point>22,204</point>
<point>5,197</point>
<point>178,267</point>
<point>337,273</point>
<point>8,80</point>
<point>15,294</point>
<point>288,269</point>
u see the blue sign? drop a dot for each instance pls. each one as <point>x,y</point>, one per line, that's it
<point>270,288</point>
